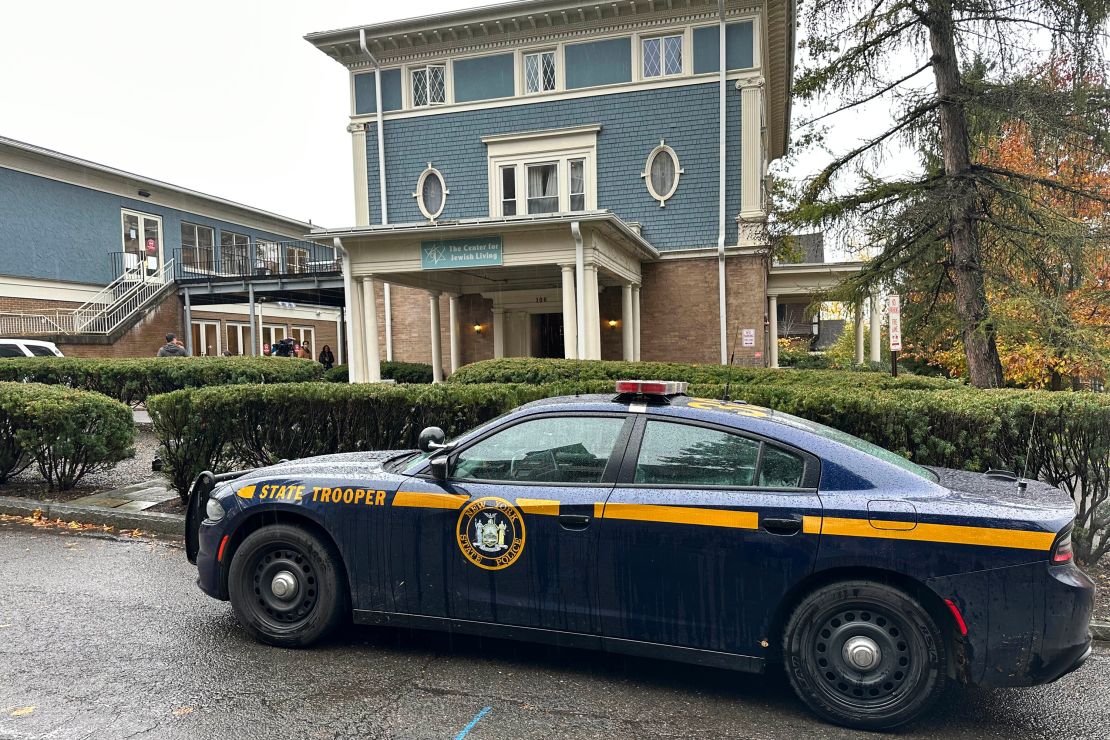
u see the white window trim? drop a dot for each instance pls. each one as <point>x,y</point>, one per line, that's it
<point>419,193</point>
<point>202,324</point>
<point>646,174</point>
<point>124,212</point>
<point>242,332</point>
<point>537,147</point>
<point>196,234</point>
<point>685,39</point>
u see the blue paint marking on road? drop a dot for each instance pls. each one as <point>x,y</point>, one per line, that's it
<point>473,722</point>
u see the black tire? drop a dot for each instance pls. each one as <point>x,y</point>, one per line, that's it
<point>267,561</point>
<point>909,669</point>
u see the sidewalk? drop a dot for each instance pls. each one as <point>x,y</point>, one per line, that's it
<point>123,508</point>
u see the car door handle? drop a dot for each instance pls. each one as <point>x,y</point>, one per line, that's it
<point>790,525</point>
<point>574,521</point>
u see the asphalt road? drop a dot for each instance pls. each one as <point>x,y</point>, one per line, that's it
<point>106,638</point>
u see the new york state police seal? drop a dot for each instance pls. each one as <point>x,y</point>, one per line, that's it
<point>490,533</point>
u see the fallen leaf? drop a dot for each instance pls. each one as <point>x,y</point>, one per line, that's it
<point>182,711</point>
<point>22,711</point>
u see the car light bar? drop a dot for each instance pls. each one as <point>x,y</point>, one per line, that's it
<point>651,387</point>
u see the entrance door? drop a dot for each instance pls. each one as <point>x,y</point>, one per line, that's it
<point>142,244</point>
<point>549,330</point>
<point>238,338</point>
<point>206,338</point>
<point>702,537</point>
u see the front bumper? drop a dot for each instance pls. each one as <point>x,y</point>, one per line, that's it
<point>210,572</point>
<point>1027,625</point>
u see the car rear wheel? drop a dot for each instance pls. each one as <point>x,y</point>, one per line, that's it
<point>865,655</point>
<point>287,586</point>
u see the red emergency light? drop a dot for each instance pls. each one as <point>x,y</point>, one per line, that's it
<point>651,387</point>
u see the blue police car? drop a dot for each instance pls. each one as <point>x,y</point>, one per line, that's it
<point>653,523</point>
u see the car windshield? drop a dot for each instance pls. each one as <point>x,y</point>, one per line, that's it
<point>856,443</point>
<point>414,459</point>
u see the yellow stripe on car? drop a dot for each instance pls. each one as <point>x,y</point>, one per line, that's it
<point>246,492</point>
<point>953,534</point>
<point>681,515</point>
<point>430,500</point>
<point>545,506</point>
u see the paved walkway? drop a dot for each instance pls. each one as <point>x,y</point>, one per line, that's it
<point>136,497</point>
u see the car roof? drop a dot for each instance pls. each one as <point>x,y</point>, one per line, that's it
<point>35,342</point>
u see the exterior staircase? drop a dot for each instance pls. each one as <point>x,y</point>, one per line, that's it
<point>116,305</point>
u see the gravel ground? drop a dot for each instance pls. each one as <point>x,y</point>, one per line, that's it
<point>29,484</point>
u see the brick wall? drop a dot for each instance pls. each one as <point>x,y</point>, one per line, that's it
<point>141,340</point>
<point>679,310</point>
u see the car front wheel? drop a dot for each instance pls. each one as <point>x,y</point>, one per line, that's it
<point>865,655</point>
<point>287,586</point>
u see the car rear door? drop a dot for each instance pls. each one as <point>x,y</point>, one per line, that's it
<point>702,536</point>
<point>510,537</point>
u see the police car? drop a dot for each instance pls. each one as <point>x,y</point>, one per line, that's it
<point>653,523</point>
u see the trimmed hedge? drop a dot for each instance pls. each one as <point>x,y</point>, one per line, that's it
<point>249,425</point>
<point>401,372</point>
<point>133,380</point>
<point>67,433</point>
<point>537,371</point>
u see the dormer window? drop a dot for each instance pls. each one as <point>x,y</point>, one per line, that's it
<point>429,85</point>
<point>539,72</point>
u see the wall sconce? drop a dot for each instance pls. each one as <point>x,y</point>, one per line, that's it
<point>613,323</point>
<point>477,328</point>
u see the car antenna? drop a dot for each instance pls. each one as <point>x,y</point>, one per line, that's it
<point>1022,482</point>
<point>731,358</point>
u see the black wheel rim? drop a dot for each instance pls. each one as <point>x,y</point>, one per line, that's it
<point>866,658</point>
<point>284,587</point>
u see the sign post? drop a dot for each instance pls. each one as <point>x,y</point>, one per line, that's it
<point>894,331</point>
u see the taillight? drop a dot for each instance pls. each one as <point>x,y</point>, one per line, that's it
<point>1062,551</point>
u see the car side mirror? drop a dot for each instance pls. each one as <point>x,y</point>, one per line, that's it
<point>438,467</point>
<point>431,439</point>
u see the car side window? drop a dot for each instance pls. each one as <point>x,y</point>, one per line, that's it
<point>38,351</point>
<point>564,449</point>
<point>10,350</point>
<point>682,454</point>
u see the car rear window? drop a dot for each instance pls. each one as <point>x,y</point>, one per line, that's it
<point>856,443</point>
<point>38,351</point>
<point>11,350</point>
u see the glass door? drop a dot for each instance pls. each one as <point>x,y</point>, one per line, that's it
<point>206,338</point>
<point>142,245</point>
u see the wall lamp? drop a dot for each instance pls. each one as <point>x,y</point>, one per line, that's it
<point>477,328</point>
<point>613,323</point>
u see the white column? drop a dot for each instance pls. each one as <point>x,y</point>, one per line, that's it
<point>859,332</point>
<point>773,330</point>
<point>436,344</point>
<point>373,369</point>
<point>593,315</point>
<point>453,329</point>
<point>636,322</point>
<point>570,315</point>
<point>498,332</point>
<point>628,324</point>
<point>876,330</point>
<point>751,150</point>
<point>362,190</point>
<point>387,305</point>
<point>340,346</point>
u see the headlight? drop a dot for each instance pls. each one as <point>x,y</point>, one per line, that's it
<point>214,510</point>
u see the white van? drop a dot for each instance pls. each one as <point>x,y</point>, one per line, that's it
<point>28,348</point>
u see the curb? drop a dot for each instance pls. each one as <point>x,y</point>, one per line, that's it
<point>1100,631</point>
<point>156,522</point>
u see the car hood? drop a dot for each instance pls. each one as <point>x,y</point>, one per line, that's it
<point>348,465</point>
<point>997,498</point>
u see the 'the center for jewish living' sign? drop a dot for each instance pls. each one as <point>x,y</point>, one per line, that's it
<point>445,254</point>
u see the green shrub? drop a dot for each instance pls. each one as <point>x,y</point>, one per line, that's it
<point>133,380</point>
<point>537,371</point>
<point>68,433</point>
<point>402,372</point>
<point>248,425</point>
<point>13,458</point>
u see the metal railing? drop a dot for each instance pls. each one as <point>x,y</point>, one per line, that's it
<point>102,314</point>
<point>278,259</point>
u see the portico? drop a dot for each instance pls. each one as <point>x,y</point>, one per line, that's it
<point>795,286</point>
<point>504,287</point>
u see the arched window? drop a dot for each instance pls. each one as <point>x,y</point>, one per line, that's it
<point>661,173</point>
<point>431,193</point>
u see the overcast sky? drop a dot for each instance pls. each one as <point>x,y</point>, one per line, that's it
<point>222,96</point>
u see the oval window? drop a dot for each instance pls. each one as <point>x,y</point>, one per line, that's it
<point>431,193</point>
<point>661,173</point>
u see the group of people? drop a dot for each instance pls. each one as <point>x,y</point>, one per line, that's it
<point>287,347</point>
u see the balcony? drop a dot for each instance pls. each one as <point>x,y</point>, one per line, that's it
<point>292,259</point>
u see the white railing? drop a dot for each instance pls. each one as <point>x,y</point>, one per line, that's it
<point>103,314</point>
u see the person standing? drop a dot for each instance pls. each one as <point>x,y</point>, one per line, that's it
<point>327,359</point>
<point>172,347</point>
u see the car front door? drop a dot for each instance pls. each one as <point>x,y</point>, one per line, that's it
<point>515,539</point>
<point>702,536</point>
